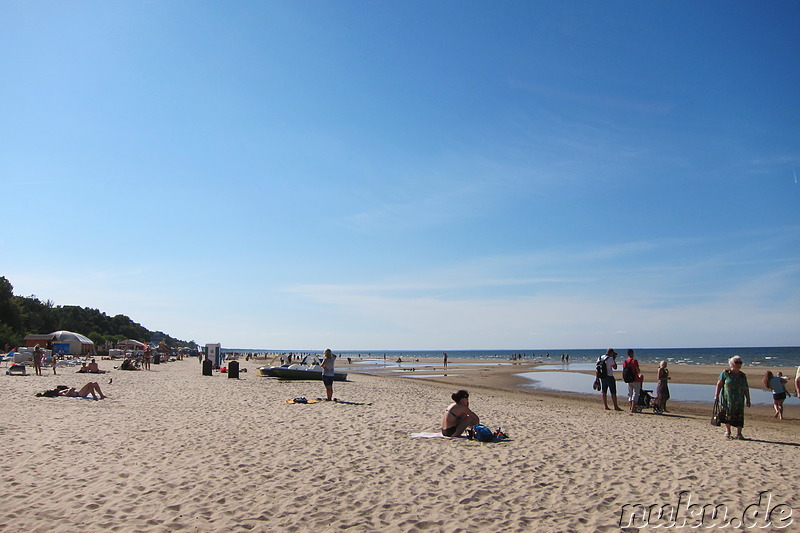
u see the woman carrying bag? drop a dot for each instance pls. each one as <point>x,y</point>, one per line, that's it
<point>735,394</point>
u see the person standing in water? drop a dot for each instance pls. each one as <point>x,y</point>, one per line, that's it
<point>327,372</point>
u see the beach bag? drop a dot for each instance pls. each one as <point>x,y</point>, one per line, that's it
<point>628,376</point>
<point>482,434</point>
<point>600,368</point>
<point>716,414</point>
<point>52,393</point>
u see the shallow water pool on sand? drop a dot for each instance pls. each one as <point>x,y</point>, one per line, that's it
<point>412,375</point>
<point>582,384</point>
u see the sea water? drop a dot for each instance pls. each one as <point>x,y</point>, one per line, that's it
<point>563,377</point>
<point>768,357</point>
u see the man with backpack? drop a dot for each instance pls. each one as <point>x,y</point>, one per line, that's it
<point>605,373</point>
<point>631,376</point>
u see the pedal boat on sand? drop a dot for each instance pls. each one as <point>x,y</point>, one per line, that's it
<point>299,371</point>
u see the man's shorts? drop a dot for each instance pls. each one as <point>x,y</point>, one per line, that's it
<point>633,391</point>
<point>609,384</point>
<point>327,380</point>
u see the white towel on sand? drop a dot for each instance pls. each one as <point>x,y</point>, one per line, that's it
<point>428,435</point>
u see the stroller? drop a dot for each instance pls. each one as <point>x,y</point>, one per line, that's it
<point>647,401</point>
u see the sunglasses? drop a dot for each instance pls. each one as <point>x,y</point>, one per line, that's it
<point>737,362</point>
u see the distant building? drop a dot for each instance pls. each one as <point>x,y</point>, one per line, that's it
<point>44,341</point>
<point>66,342</point>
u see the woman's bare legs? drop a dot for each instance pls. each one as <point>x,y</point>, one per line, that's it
<point>91,388</point>
<point>467,422</point>
<point>778,409</point>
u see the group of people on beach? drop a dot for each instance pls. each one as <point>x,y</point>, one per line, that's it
<point>91,368</point>
<point>732,393</point>
<point>38,360</point>
<point>633,377</point>
<point>92,389</point>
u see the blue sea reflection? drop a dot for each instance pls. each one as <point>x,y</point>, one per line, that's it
<point>419,365</point>
<point>580,367</point>
<point>582,384</point>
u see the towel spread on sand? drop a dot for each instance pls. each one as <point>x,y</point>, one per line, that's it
<point>72,397</point>
<point>301,400</point>
<point>317,400</point>
<point>432,435</point>
<point>429,435</point>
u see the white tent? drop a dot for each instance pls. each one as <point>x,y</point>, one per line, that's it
<point>77,343</point>
<point>131,344</point>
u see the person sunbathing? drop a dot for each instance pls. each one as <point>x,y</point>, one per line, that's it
<point>92,388</point>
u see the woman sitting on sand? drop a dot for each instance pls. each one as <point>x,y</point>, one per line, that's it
<point>128,364</point>
<point>92,388</point>
<point>735,395</point>
<point>458,416</point>
<point>779,393</point>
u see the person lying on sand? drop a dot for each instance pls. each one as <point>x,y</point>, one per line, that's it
<point>458,416</point>
<point>92,388</point>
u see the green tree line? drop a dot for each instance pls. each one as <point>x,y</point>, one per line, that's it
<point>20,316</point>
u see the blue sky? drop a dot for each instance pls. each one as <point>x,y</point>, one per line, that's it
<point>408,175</point>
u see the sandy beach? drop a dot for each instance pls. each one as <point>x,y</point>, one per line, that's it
<point>172,450</point>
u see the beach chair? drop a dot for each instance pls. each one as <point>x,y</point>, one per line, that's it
<point>17,369</point>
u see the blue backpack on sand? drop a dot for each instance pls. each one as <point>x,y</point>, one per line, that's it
<point>482,433</point>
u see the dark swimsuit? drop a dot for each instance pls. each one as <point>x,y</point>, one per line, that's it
<point>452,429</point>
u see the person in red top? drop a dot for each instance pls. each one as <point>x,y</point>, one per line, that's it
<point>635,386</point>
